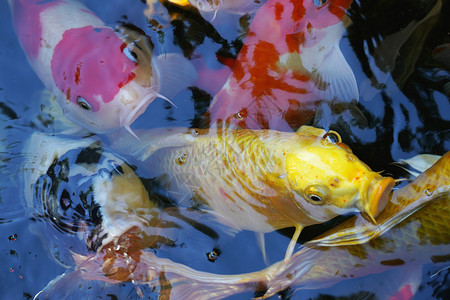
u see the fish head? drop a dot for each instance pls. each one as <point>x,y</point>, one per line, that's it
<point>107,77</point>
<point>328,180</point>
<point>320,55</point>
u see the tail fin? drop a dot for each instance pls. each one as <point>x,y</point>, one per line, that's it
<point>62,287</point>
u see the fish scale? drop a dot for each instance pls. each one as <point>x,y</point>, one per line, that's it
<point>421,238</point>
<point>259,180</point>
<point>237,168</point>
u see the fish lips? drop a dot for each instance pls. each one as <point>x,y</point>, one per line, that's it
<point>377,197</point>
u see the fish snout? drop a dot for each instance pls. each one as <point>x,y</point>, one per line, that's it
<point>376,198</point>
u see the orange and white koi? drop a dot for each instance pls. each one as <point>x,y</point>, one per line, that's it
<point>290,62</point>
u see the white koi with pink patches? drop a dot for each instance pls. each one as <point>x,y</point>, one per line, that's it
<point>103,78</point>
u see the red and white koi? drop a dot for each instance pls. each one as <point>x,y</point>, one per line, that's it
<point>290,62</point>
<point>103,78</point>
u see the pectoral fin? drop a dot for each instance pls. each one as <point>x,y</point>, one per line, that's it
<point>335,79</point>
<point>419,162</point>
<point>363,231</point>
<point>293,242</point>
<point>176,73</point>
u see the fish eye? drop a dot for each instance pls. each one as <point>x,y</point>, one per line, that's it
<point>131,55</point>
<point>314,197</point>
<point>320,3</point>
<point>315,194</point>
<point>333,137</point>
<point>84,104</point>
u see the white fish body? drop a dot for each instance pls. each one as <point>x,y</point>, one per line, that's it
<point>103,78</point>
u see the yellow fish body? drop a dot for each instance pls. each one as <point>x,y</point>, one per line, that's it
<point>421,238</point>
<point>261,180</point>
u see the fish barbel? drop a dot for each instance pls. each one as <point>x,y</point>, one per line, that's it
<point>290,63</point>
<point>261,180</point>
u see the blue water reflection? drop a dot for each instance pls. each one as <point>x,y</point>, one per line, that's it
<point>407,114</point>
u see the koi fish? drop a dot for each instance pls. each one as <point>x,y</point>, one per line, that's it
<point>311,267</point>
<point>261,180</point>
<point>103,79</point>
<point>105,180</point>
<point>85,190</point>
<point>290,62</point>
<point>409,244</point>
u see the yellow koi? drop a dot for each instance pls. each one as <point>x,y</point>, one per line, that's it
<point>261,180</point>
<point>311,267</point>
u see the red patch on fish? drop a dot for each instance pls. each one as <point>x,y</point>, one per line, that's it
<point>278,10</point>
<point>269,86</point>
<point>89,62</point>
<point>26,15</point>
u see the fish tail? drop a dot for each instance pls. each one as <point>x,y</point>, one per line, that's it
<point>183,282</point>
<point>62,287</point>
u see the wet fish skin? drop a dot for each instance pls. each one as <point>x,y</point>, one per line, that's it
<point>421,238</point>
<point>103,79</point>
<point>83,189</point>
<point>260,180</point>
<point>63,175</point>
<point>290,62</point>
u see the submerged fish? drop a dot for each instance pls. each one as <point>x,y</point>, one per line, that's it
<point>422,237</point>
<point>103,193</point>
<point>103,79</point>
<point>290,62</point>
<point>87,192</point>
<point>261,180</point>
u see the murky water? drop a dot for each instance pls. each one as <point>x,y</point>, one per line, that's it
<point>404,96</point>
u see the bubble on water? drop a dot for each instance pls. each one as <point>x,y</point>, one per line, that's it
<point>429,192</point>
<point>239,115</point>
<point>180,160</point>
<point>213,255</point>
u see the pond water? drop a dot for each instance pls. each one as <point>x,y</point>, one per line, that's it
<point>404,88</point>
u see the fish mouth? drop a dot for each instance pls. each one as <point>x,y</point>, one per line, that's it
<point>377,197</point>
